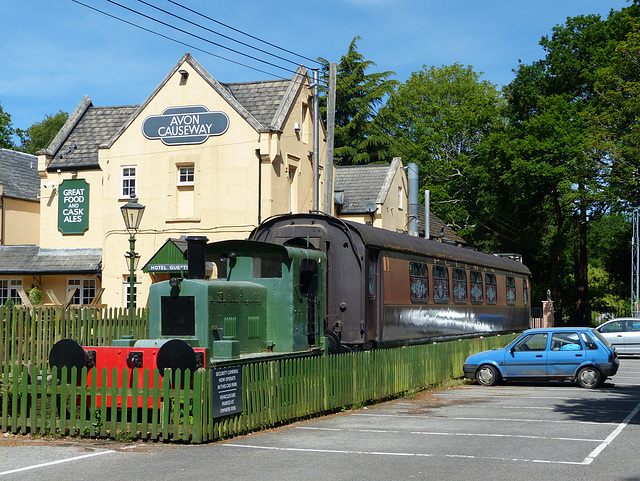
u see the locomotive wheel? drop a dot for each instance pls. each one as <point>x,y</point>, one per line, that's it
<point>333,342</point>
<point>487,375</point>
<point>176,354</point>
<point>69,353</point>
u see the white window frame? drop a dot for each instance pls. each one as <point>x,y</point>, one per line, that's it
<point>12,287</point>
<point>186,175</point>
<point>85,289</point>
<point>127,289</point>
<point>129,181</point>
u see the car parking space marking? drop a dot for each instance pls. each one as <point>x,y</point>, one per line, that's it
<point>417,455</point>
<point>594,454</point>
<point>433,433</point>
<point>553,408</point>
<point>506,420</point>
<point>58,461</point>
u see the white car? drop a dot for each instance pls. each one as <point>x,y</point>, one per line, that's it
<point>623,333</point>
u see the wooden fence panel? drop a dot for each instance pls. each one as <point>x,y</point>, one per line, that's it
<point>273,392</point>
<point>27,335</point>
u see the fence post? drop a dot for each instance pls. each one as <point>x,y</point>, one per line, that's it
<point>547,314</point>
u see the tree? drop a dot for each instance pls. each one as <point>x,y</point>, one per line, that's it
<point>613,125</point>
<point>358,95</point>
<point>551,107</point>
<point>6,130</point>
<point>438,119</point>
<point>40,134</point>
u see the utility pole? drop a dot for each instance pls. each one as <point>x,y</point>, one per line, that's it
<point>331,121</point>
<point>316,140</point>
<point>635,260</point>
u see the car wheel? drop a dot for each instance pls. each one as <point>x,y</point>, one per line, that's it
<point>487,375</point>
<point>589,377</point>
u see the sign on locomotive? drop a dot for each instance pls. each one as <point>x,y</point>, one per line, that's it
<point>308,284</point>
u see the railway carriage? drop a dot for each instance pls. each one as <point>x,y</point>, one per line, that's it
<point>305,284</point>
<point>385,288</point>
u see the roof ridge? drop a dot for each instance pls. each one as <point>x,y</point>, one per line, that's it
<point>68,127</point>
<point>249,82</point>
<point>18,152</point>
<point>394,166</point>
<point>284,107</point>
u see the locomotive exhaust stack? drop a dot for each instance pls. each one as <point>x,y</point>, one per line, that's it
<point>196,257</point>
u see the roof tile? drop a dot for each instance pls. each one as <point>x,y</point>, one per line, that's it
<point>19,175</point>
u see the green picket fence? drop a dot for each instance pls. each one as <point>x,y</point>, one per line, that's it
<point>27,335</point>
<point>38,405</point>
<point>273,393</point>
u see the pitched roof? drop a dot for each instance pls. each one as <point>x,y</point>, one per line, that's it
<point>88,128</point>
<point>19,175</point>
<point>261,99</point>
<point>264,105</point>
<point>34,260</point>
<point>436,227</point>
<point>371,183</point>
<point>364,183</point>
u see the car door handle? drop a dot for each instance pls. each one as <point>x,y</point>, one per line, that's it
<point>538,355</point>
<point>619,335</point>
<point>578,355</point>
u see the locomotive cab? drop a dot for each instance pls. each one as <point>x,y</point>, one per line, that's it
<point>293,280</point>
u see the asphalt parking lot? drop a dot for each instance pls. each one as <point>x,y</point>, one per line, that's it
<point>533,431</point>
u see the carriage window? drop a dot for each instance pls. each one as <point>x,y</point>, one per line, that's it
<point>491,288</point>
<point>511,291</point>
<point>440,284</point>
<point>525,292</point>
<point>419,281</point>
<point>459,286</point>
<point>477,291</point>
<point>267,266</point>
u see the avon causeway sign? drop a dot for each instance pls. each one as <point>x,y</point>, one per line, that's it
<point>185,125</point>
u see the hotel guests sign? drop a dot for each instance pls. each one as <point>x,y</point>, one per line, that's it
<point>185,125</point>
<point>73,206</point>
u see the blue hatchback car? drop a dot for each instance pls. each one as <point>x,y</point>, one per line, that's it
<point>578,354</point>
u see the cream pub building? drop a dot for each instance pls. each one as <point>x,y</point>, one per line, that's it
<point>203,157</point>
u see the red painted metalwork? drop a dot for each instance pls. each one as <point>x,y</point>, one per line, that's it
<point>115,358</point>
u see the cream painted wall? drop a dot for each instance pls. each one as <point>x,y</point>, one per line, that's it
<point>394,213</point>
<point>21,222</point>
<point>391,214</point>
<point>224,197</point>
<point>50,236</point>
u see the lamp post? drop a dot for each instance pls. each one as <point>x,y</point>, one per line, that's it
<point>132,214</point>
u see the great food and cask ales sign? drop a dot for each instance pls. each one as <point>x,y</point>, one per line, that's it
<point>73,206</point>
<point>185,125</point>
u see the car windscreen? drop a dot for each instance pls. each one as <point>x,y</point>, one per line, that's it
<point>602,339</point>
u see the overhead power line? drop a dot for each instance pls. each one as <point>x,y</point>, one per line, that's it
<point>153,19</point>
<point>215,32</point>
<point>115,17</point>
<point>245,33</point>
<point>407,149</point>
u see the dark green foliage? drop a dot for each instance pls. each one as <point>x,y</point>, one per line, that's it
<point>359,93</point>
<point>40,134</point>
<point>439,119</point>
<point>6,130</point>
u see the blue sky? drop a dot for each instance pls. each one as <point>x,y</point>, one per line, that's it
<point>56,51</point>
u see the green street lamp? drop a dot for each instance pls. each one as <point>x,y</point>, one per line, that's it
<point>132,215</point>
